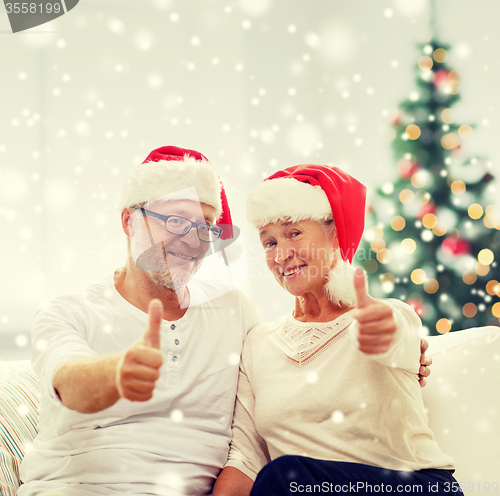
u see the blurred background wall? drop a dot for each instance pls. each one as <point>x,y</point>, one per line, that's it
<point>255,85</point>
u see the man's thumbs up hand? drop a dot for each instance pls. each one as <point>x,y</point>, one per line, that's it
<point>151,337</point>
<point>376,323</point>
<point>139,367</point>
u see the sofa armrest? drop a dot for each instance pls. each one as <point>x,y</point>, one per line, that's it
<point>462,401</point>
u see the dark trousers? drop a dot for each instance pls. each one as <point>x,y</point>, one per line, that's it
<point>297,475</point>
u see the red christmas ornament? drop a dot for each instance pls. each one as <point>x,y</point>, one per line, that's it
<point>428,208</point>
<point>454,246</point>
<point>441,78</point>
<point>417,305</point>
<point>407,168</point>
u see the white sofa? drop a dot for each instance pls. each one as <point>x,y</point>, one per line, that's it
<point>462,397</point>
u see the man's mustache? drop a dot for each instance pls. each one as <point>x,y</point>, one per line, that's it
<point>155,257</point>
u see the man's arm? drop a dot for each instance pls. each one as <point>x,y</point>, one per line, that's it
<point>232,482</point>
<point>89,385</point>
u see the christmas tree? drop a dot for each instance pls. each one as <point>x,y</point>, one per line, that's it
<point>434,240</point>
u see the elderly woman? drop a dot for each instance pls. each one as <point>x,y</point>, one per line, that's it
<point>333,385</point>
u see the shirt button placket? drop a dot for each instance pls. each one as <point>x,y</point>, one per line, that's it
<point>173,356</point>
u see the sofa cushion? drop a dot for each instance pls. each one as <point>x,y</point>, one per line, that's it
<point>19,397</point>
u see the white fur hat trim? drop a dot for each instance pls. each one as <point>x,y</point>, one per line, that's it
<point>153,180</point>
<point>286,198</point>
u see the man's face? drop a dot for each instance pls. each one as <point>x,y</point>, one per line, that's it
<point>170,260</point>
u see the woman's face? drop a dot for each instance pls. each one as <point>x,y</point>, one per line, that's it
<point>299,254</point>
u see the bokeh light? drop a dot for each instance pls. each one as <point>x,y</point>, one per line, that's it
<point>475,211</point>
<point>469,310</point>
<point>493,287</point>
<point>440,55</point>
<point>469,277</point>
<point>481,270</point>
<point>425,63</point>
<point>384,256</point>
<point>431,286</point>
<point>398,223</point>
<point>465,132</point>
<point>448,116</point>
<point>408,245</point>
<point>377,245</point>
<point>443,326</point>
<point>458,187</point>
<point>413,132</point>
<point>420,179</point>
<point>495,310</point>
<point>429,221</point>
<point>486,256</point>
<point>406,196</point>
<point>450,141</point>
<point>418,276</point>
<point>440,229</point>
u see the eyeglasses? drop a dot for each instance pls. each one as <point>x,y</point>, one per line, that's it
<point>175,224</point>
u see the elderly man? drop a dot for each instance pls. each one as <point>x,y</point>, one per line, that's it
<point>138,373</point>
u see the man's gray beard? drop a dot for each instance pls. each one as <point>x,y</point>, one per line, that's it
<point>175,279</point>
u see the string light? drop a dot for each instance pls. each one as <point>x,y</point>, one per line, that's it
<point>493,287</point>
<point>469,310</point>
<point>419,179</point>
<point>450,141</point>
<point>448,116</point>
<point>377,245</point>
<point>429,221</point>
<point>374,233</point>
<point>418,276</point>
<point>408,245</point>
<point>443,326</point>
<point>398,223</point>
<point>465,132</point>
<point>458,187</point>
<point>425,63</point>
<point>384,256</point>
<point>469,277</point>
<point>481,269</point>
<point>440,229</point>
<point>406,196</point>
<point>485,256</point>
<point>431,286</point>
<point>440,55</point>
<point>413,132</point>
<point>495,310</point>
<point>475,211</point>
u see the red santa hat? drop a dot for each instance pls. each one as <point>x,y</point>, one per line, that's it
<point>315,192</point>
<point>170,169</point>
